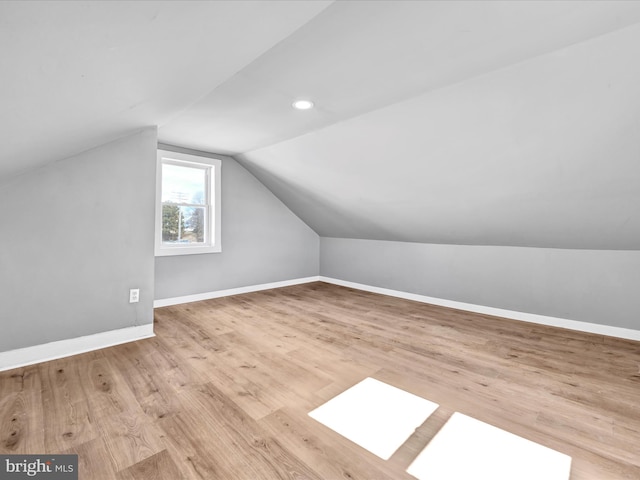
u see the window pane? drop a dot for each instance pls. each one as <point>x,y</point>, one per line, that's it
<point>181,184</point>
<point>195,224</point>
<point>184,225</point>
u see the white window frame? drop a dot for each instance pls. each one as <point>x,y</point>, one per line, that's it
<point>213,234</point>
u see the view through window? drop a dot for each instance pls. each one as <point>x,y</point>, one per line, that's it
<point>185,202</point>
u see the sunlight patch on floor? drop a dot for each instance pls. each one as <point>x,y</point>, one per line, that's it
<point>468,448</point>
<point>375,415</point>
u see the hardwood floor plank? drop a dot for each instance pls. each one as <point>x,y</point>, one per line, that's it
<point>242,449</point>
<point>329,454</point>
<point>224,389</point>
<point>21,413</point>
<point>158,467</point>
<point>94,460</point>
<point>63,393</point>
<point>130,437</point>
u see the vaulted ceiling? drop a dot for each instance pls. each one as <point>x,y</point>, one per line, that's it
<point>489,123</point>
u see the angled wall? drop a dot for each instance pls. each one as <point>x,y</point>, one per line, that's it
<point>262,242</point>
<point>542,153</point>
<point>76,235</point>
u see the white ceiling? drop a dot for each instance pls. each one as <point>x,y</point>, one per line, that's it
<point>358,56</point>
<point>542,153</point>
<point>505,123</point>
<point>75,75</point>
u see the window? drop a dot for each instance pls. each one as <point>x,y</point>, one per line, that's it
<point>187,204</point>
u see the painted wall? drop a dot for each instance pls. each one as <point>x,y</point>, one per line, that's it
<point>75,236</point>
<point>596,286</point>
<point>262,242</point>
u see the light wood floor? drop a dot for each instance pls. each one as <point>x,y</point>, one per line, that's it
<point>223,390</point>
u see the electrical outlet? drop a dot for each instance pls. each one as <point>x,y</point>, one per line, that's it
<point>134,295</point>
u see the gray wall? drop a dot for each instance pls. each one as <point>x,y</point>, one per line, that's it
<point>76,235</point>
<point>262,241</point>
<point>597,286</point>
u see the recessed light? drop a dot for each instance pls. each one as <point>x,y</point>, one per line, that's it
<point>303,104</point>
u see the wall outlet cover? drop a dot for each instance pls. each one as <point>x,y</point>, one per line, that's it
<point>134,295</point>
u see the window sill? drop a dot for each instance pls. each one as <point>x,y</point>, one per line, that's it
<point>175,251</point>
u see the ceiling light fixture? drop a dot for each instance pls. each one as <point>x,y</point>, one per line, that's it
<point>303,104</point>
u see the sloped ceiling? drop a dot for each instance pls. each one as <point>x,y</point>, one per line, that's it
<point>544,153</point>
<point>503,123</point>
<point>496,124</point>
<point>74,75</point>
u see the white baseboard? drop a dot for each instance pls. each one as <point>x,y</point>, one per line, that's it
<point>498,312</point>
<point>470,307</point>
<point>65,348</point>
<point>165,302</point>
<point>73,346</point>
